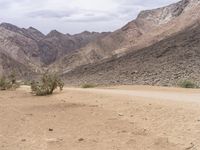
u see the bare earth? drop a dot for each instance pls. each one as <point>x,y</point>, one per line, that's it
<point>117,118</point>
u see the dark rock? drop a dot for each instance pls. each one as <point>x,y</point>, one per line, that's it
<point>50,129</point>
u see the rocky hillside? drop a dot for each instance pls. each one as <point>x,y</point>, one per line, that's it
<point>9,65</point>
<point>20,46</point>
<point>149,27</point>
<point>159,47</point>
<point>164,63</point>
<point>33,51</point>
<point>65,44</point>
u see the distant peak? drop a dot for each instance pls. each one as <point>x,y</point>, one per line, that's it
<point>36,33</point>
<point>54,33</point>
<point>167,13</point>
<point>5,24</point>
<point>86,32</point>
<point>8,26</point>
<point>68,34</point>
<point>32,28</point>
<point>193,1</point>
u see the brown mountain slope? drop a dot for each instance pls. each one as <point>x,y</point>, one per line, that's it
<point>148,28</point>
<point>63,52</point>
<point>164,63</point>
<point>8,65</point>
<point>18,45</point>
<point>64,44</point>
<point>34,51</point>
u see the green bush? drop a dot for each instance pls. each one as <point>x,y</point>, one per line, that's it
<point>187,84</point>
<point>85,86</point>
<point>48,83</point>
<point>8,83</point>
<point>4,84</point>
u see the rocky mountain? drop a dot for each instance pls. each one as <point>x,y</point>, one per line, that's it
<point>63,44</point>
<point>148,28</point>
<point>20,47</point>
<point>34,51</point>
<point>159,47</point>
<point>9,65</point>
<point>165,63</point>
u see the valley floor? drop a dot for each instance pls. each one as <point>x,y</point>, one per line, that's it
<point>115,118</point>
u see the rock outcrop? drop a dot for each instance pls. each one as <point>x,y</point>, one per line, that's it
<point>31,49</point>
<point>148,28</point>
<point>165,63</point>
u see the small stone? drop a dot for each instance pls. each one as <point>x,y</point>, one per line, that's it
<point>63,101</point>
<point>190,147</point>
<point>29,114</point>
<point>123,131</point>
<point>23,140</point>
<point>81,139</point>
<point>54,140</point>
<point>50,129</point>
<point>120,114</point>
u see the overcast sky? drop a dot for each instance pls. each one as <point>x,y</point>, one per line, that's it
<point>74,16</point>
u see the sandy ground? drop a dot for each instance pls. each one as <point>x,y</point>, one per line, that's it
<point>117,118</point>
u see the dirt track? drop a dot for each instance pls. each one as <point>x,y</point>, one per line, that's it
<point>117,118</point>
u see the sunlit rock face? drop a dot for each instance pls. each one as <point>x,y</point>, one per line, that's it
<point>150,27</point>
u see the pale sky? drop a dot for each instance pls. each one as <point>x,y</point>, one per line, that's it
<point>74,16</point>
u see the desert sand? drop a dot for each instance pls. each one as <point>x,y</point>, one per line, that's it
<point>114,118</point>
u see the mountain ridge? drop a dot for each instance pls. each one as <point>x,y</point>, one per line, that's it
<point>66,54</point>
<point>147,29</point>
<point>179,59</point>
<point>35,50</point>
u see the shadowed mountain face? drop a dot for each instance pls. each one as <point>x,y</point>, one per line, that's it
<point>33,50</point>
<point>124,56</point>
<point>164,63</point>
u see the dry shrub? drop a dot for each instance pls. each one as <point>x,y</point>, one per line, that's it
<point>187,84</point>
<point>7,83</point>
<point>85,86</point>
<point>47,85</point>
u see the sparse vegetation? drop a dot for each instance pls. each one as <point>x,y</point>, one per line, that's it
<point>4,84</point>
<point>85,86</point>
<point>28,83</point>
<point>187,84</point>
<point>9,82</point>
<point>47,85</point>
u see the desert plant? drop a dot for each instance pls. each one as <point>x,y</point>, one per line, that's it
<point>28,83</point>
<point>8,82</point>
<point>12,78</point>
<point>48,83</point>
<point>187,84</point>
<point>4,84</point>
<point>85,86</point>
